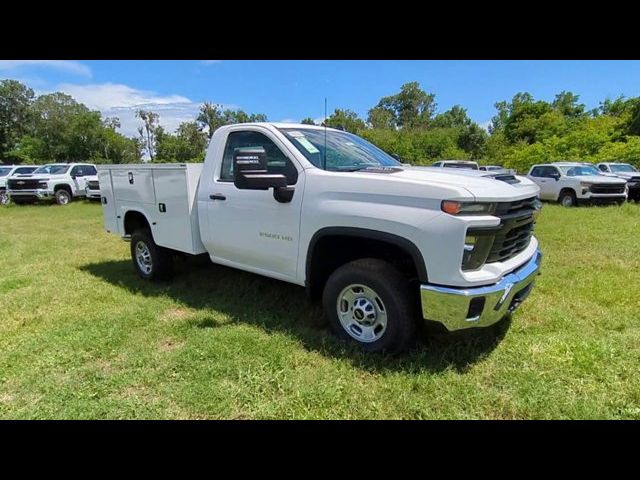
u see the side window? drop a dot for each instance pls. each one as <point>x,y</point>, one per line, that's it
<point>89,170</point>
<point>537,172</point>
<point>277,162</point>
<point>76,171</point>
<point>552,172</point>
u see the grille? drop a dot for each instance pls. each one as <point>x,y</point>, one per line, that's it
<point>23,184</point>
<point>516,228</point>
<point>93,185</point>
<point>607,188</point>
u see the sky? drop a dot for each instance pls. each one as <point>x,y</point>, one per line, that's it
<point>290,90</point>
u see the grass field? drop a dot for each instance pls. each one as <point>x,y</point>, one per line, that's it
<point>82,337</point>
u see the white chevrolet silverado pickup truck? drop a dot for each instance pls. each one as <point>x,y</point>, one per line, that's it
<point>59,181</point>
<point>381,244</point>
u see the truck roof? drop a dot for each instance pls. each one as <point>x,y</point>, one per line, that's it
<point>283,125</point>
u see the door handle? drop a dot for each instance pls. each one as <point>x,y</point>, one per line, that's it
<point>217,196</point>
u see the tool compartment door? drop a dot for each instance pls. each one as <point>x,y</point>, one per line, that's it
<point>173,228</point>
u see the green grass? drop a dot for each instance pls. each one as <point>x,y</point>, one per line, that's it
<point>82,337</point>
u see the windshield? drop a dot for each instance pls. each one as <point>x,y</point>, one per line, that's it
<point>344,151</point>
<point>4,171</point>
<point>579,170</point>
<point>622,167</point>
<point>471,166</point>
<point>53,169</point>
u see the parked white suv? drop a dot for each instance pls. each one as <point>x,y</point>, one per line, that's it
<point>571,182</point>
<point>59,181</point>
<point>625,171</point>
<point>457,164</point>
<point>7,171</point>
<point>382,244</point>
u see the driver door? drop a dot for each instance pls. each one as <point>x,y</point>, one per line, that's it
<point>250,229</point>
<point>79,181</point>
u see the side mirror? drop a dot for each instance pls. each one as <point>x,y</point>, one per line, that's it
<point>250,173</point>
<point>73,177</point>
<point>555,176</point>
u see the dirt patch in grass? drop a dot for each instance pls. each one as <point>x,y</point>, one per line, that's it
<point>176,313</point>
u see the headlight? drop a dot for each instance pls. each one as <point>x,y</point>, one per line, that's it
<point>586,186</point>
<point>453,207</point>
<point>42,185</point>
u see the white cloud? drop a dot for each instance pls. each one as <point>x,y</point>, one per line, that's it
<point>122,101</point>
<point>115,95</point>
<point>69,66</point>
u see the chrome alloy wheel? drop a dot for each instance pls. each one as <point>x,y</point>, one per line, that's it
<point>143,257</point>
<point>567,201</point>
<point>362,313</point>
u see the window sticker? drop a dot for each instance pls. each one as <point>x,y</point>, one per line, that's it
<point>296,134</point>
<point>307,145</point>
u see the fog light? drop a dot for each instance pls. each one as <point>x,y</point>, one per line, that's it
<point>475,251</point>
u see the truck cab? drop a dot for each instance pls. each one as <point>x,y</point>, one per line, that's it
<point>382,245</point>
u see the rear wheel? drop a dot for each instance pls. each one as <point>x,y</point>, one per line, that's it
<point>150,261</point>
<point>567,198</point>
<point>368,302</point>
<point>63,197</point>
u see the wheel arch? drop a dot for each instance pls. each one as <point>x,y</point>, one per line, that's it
<point>567,190</point>
<point>134,220</point>
<point>331,247</point>
<point>63,186</point>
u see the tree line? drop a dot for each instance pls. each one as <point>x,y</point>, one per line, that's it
<point>524,131</point>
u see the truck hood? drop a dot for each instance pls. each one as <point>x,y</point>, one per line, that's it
<point>41,176</point>
<point>481,185</point>
<point>625,175</point>
<point>602,179</point>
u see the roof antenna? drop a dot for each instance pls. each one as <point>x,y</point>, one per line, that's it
<point>324,163</point>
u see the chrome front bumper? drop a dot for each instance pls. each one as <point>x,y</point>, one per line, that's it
<point>458,308</point>
<point>31,193</point>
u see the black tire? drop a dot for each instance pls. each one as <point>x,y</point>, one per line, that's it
<point>567,198</point>
<point>160,260</point>
<point>4,198</point>
<point>63,197</point>
<point>393,297</point>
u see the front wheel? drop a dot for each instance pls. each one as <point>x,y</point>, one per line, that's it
<point>150,261</point>
<point>63,197</point>
<point>4,198</point>
<point>369,303</point>
<point>567,199</point>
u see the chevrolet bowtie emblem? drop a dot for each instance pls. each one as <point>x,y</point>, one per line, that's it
<point>20,182</point>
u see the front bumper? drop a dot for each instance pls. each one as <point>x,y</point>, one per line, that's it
<point>40,194</point>
<point>93,194</point>
<point>459,308</point>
